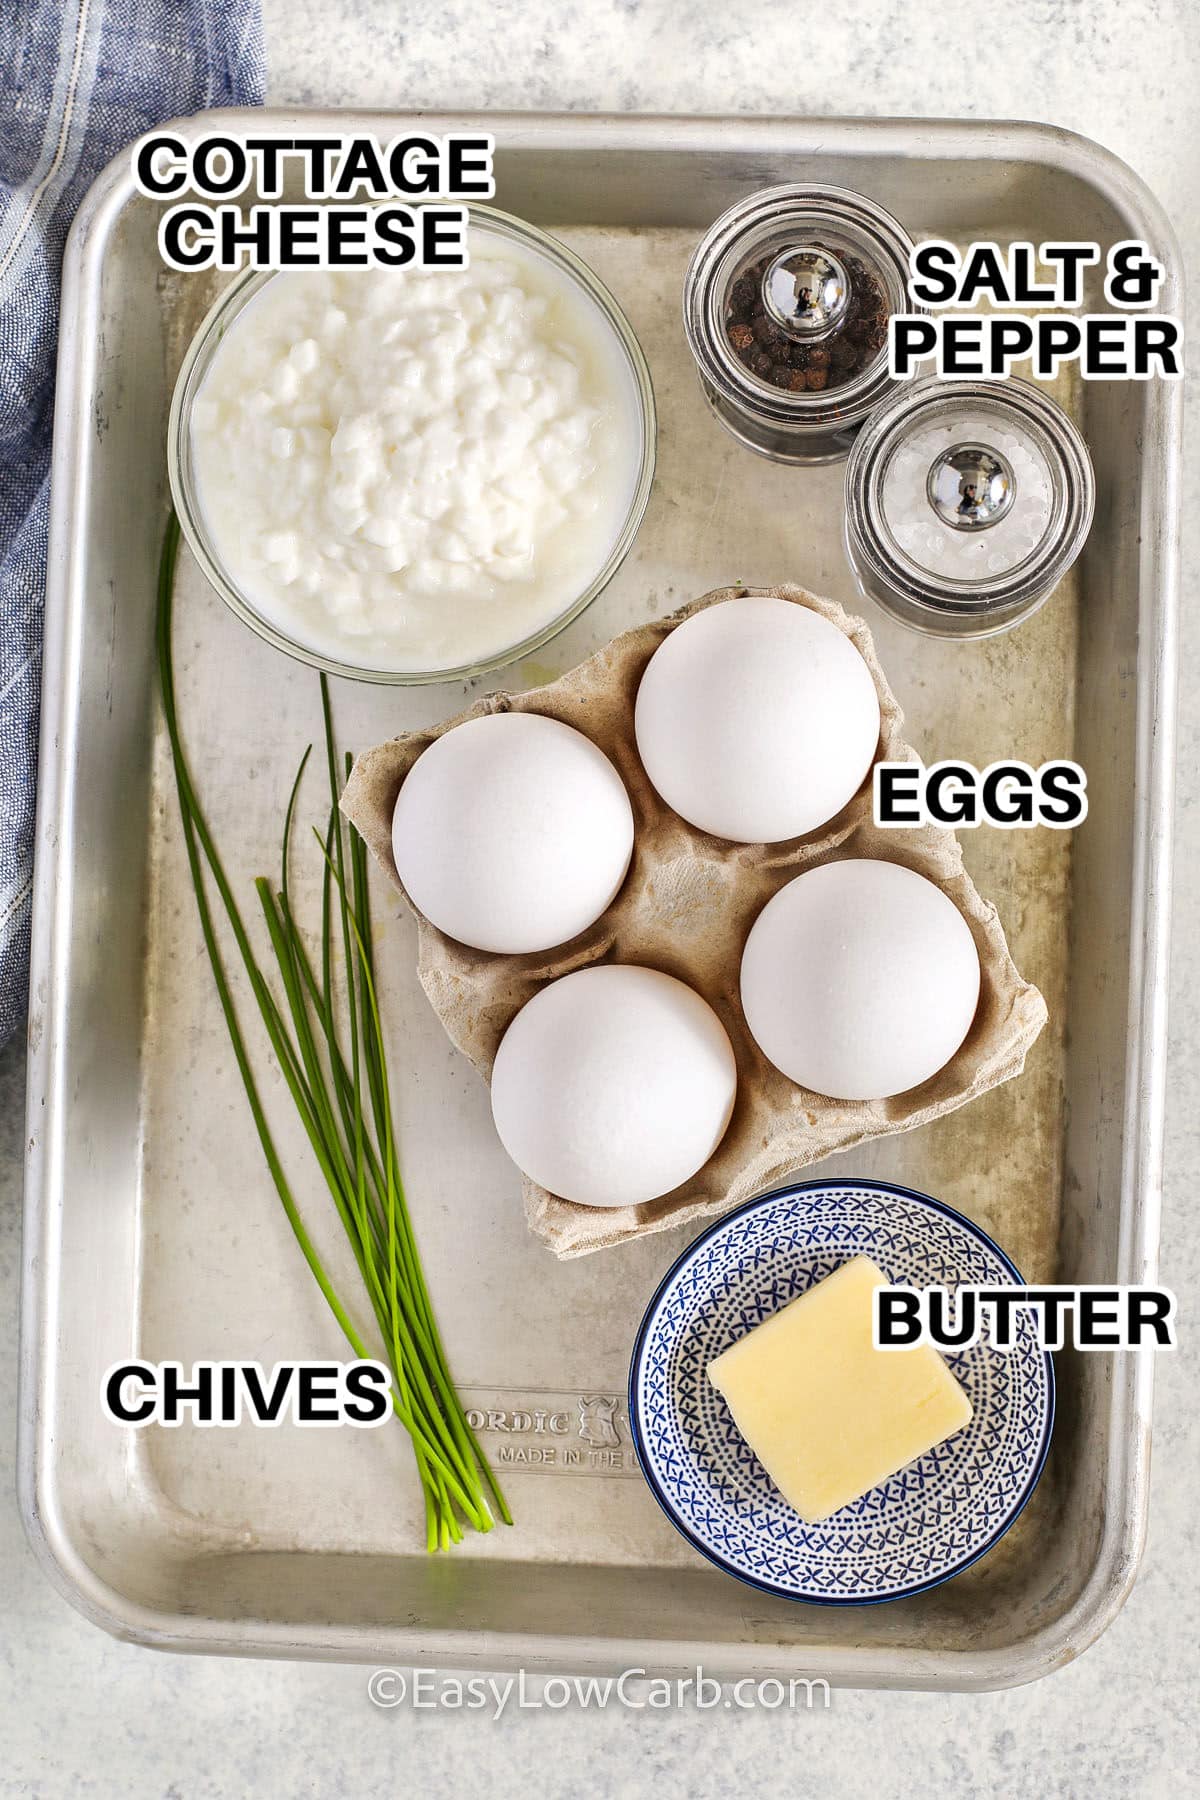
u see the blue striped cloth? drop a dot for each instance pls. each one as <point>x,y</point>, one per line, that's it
<point>79,80</point>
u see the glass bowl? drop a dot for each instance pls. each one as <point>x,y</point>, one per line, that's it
<point>198,360</point>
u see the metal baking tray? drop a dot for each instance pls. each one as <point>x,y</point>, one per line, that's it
<point>151,1227</point>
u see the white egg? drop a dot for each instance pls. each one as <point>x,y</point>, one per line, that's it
<point>757,719</point>
<point>613,1085</point>
<point>860,979</point>
<point>512,833</point>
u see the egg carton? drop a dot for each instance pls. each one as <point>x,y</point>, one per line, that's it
<point>686,907</point>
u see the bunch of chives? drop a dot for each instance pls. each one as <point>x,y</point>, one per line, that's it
<point>333,1061</point>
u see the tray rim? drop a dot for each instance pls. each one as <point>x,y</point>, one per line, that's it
<point>1123,1530</point>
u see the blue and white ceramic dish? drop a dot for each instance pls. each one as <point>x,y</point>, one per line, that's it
<point>927,1522</point>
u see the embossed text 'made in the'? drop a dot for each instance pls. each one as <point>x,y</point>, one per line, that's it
<point>561,1433</point>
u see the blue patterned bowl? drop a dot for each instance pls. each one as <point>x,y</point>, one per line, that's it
<point>929,1521</point>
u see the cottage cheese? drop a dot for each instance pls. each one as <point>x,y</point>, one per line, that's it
<point>413,471</point>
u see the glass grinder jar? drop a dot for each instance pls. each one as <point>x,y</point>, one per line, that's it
<point>966,504</point>
<point>786,304</point>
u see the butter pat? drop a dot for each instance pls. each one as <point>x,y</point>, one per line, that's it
<point>827,1414</point>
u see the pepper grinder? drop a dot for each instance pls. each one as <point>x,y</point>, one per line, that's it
<point>786,307</point>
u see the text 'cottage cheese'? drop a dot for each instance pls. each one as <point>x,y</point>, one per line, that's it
<point>417,470</point>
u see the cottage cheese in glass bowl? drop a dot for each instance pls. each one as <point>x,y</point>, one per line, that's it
<point>412,475</point>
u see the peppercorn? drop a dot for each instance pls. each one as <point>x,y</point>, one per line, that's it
<point>770,353</point>
<point>744,293</point>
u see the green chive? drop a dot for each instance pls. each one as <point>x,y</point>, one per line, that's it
<point>334,1064</point>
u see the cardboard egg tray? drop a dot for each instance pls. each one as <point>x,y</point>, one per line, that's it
<point>686,907</point>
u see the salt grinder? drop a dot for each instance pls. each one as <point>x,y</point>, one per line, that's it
<point>966,504</point>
